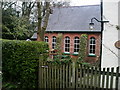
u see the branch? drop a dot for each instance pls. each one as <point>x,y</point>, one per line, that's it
<point>47,13</point>
<point>111,51</point>
<point>39,19</point>
<point>108,48</point>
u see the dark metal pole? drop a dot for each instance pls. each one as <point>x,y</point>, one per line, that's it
<point>102,27</point>
<point>98,20</point>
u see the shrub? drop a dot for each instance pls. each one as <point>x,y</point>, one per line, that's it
<point>83,47</point>
<point>20,61</point>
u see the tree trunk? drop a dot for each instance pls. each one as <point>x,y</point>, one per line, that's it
<point>42,25</point>
<point>39,20</point>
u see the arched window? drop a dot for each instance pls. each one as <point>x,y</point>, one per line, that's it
<point>46,39</point>
<point>76,44</point>
<point>67,44</point>
<point>92,46</point>
<point>53,42</point>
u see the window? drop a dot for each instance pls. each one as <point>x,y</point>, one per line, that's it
<point>53,42</point>
<point>46,39</point>
<point>92,45</point>
<point>67,44</point>
<point>76,45</point>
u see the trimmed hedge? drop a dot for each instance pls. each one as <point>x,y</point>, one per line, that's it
<point>20,61</point>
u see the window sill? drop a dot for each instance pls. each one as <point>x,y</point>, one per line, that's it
<point>75,54</point>
<point>66,53</point>
<point>91,55</point>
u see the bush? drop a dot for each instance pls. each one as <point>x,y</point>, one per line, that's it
<point>20,61</point>
<point>83,48</point>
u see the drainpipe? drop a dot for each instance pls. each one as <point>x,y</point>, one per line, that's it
<point>102,28</point>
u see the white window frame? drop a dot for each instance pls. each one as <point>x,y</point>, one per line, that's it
<point>76,45</point>
<point>92,46</point>
<point>46,39</point>
<point>67,43</point>
<point>53,42</point>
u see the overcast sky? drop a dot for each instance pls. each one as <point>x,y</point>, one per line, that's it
<point>84,2</point>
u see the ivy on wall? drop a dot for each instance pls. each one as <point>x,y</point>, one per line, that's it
<point>59,57</point>
<point>83,47</point>
<point>58,45</point>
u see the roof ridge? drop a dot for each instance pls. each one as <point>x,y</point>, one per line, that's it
<point>77,6</point>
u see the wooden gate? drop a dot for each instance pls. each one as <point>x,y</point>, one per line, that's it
<point>77,76</point>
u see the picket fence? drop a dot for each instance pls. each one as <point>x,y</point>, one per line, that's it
<point>75,76</point>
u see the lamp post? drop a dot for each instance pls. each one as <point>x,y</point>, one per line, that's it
<point>91,26</point>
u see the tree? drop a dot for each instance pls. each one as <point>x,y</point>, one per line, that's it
<point>27,8</point>
<point>44,11</point>
<point>13,25</point>
<point>60,3</point>
<point>17,22</point>
<point>43,14</point>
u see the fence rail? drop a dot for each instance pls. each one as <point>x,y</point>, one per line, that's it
<point>74,75</point>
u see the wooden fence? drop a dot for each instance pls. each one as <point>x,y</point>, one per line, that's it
<point>77,76</point>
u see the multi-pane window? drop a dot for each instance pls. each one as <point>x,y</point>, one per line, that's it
<point>53,42</point>
<point>46,39</point>
<point>76,44</point>
<point>67,44</point>
<point>92,44</point>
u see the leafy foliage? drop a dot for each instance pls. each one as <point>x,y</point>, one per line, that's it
<point>9,85</point>
<point>20,61</point>
<point>58,45</point>
<point>59,61</point>
<point>15,27</point>
<point>63,60</point>
<point>83,47</point>
<point>63,3</point>
<point>60,58</point>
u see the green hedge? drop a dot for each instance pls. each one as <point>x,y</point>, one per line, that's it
<point>20,62</point>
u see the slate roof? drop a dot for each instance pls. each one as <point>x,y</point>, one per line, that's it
<point>74,19</point>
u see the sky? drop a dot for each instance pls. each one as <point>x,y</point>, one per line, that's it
<point>84,2</point>
<point>74,2</point>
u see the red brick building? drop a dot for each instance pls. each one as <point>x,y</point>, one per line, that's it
<point>72,22</point>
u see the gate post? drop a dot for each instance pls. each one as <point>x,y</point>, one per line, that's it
<point>39,71</point>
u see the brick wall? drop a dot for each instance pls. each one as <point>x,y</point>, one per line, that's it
<point>89,59</point>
